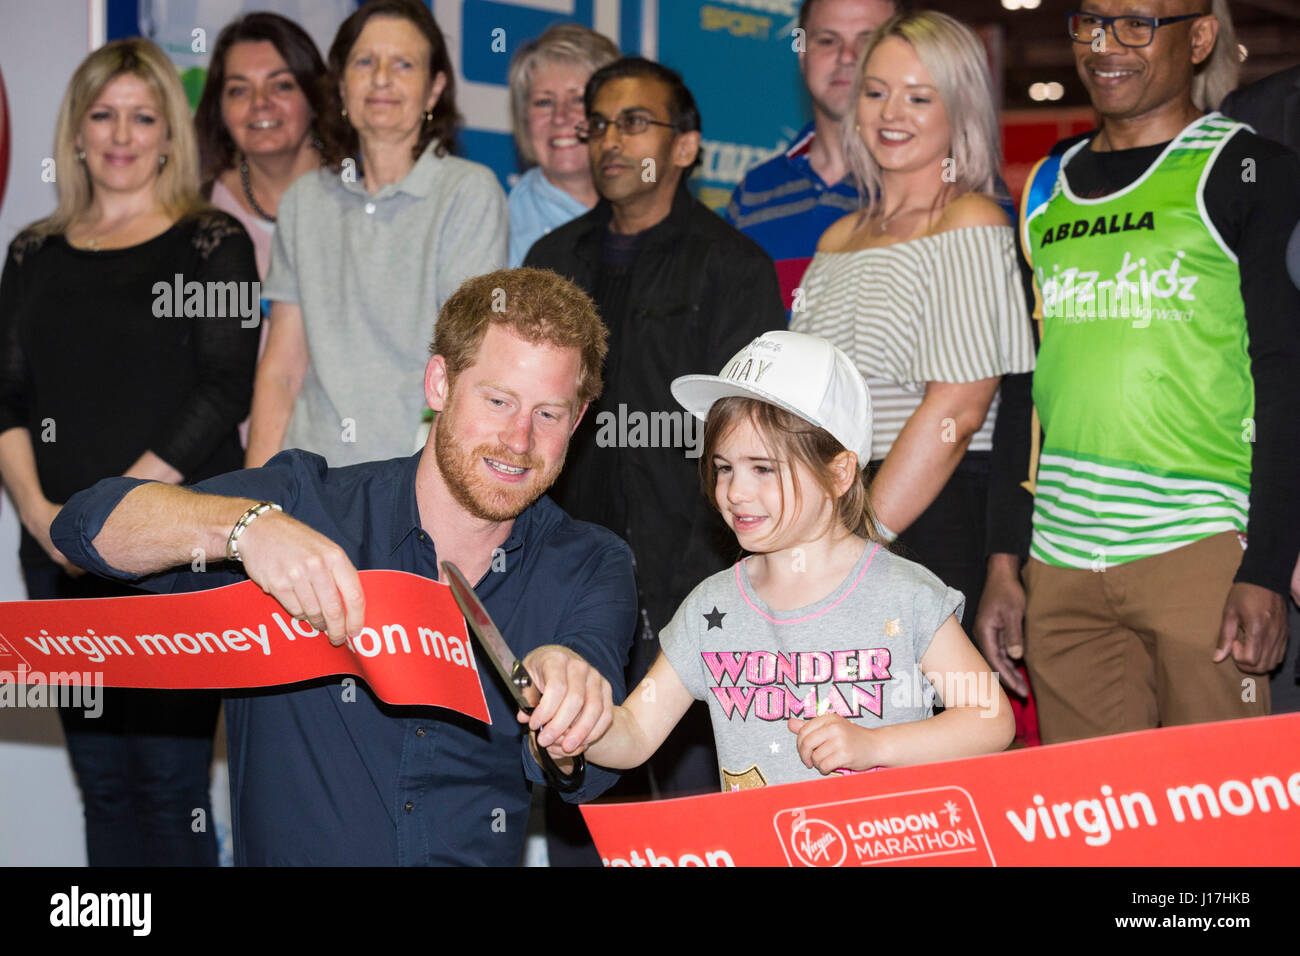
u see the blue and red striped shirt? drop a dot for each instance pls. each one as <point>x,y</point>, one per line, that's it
<point>784,206</point>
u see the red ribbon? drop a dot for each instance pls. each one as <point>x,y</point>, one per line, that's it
<point>414,649</point>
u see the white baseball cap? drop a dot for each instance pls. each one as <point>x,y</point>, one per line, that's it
<point>804,374</point>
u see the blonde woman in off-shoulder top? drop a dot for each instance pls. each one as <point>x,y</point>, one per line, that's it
<point>921,288</point>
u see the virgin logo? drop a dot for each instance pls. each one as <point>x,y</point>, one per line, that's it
<point>817,843</point>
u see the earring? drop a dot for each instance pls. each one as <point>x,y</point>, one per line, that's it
<point>162,160</point>
<point>428,116</point>
<point>81,155</point>
<point>344,111</point>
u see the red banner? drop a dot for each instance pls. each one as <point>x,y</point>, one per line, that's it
<point>1211,794</point>
<point>414,649</point>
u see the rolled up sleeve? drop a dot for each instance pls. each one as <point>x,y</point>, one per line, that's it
<point>599,629</point>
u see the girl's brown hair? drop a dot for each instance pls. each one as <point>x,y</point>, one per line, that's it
<point>790,439</point>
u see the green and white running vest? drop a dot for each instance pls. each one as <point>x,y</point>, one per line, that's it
<point>1143,383</point>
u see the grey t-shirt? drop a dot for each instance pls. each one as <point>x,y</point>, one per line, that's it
<point>856,652</point>
<point>370,274</point>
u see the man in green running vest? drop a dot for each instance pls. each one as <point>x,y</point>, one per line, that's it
<point>1166,491</point>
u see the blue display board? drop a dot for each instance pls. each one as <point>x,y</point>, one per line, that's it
<point>736,56</point>
<point>738,60</point>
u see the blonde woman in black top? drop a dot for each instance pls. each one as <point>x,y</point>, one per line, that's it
<point>106,369</point>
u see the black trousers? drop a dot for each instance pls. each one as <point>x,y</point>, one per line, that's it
<point>143,764</point>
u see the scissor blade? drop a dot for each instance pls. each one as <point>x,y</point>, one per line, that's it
<point>510,668</point>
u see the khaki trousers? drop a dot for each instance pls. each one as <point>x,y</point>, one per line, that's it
<point>1131,647</point>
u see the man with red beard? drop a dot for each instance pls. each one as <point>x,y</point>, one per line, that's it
<point>321,777</point>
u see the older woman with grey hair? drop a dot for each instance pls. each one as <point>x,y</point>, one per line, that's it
<point>547,77</point>
<point>367,252</point>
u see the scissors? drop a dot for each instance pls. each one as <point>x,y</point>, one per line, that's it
<point>512,671</point>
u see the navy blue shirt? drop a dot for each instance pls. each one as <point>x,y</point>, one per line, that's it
<point>326,773</point>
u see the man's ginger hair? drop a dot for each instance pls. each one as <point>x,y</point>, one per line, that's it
<point>537,305</point>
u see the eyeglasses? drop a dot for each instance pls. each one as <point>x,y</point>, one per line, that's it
<point>628,125</point>
<point>1129,30</point>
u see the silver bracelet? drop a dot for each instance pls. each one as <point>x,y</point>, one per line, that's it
<point>232,543</point>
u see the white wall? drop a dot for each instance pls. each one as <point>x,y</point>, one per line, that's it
<point>40,809</point>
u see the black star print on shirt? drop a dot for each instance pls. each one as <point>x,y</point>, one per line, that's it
<point>715,618</point>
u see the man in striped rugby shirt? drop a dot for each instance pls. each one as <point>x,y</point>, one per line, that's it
<point>786,203</point>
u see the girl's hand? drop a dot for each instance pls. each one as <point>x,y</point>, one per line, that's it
<point>575,706</point>
<point>829,743</point>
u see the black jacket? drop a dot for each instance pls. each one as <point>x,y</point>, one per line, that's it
<point>1270,105</point>
<point>699,292</point>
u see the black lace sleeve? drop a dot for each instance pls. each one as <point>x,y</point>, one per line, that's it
<point>225,349</point>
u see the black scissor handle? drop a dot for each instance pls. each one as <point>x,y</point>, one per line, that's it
<point>563,782</point>
<point>558,779</point>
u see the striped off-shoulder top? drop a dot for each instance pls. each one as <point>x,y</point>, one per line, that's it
<point>943,308</point>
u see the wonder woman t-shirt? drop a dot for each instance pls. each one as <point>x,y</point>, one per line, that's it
<point>856,653</point>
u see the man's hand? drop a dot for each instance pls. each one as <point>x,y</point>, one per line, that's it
<point>999,618</point>
<point>577,704</point>
<point>1253,629</point>
<point>306,572</point>
<point>1295,575</point>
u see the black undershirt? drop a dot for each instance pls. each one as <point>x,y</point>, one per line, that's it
<point>613,286</point>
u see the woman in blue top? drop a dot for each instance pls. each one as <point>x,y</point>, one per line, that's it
<point>547,77</point>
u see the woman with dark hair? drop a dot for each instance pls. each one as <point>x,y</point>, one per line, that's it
<point>365,253</point>
<point>115,381</point>
<point>264,92</point>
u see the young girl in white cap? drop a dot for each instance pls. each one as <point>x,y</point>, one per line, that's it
<point>822,651</point>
